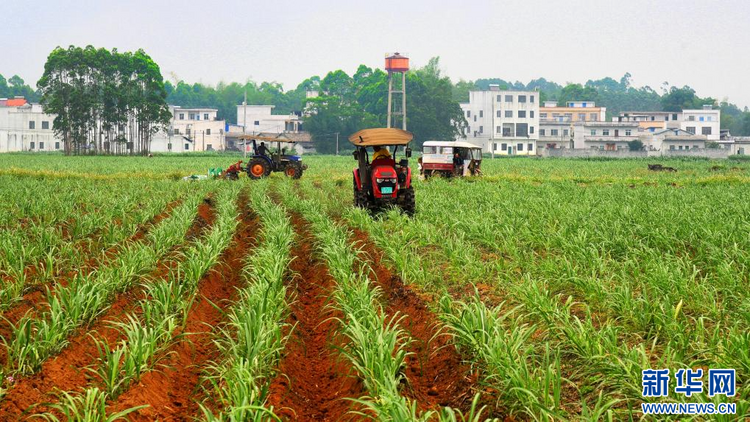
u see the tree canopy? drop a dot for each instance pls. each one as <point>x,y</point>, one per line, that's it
<point>105,101</point>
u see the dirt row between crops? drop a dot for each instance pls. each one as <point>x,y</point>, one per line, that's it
<point>67,371</point>
<point>35,300</point>
<point>313,381</point>
<point>437,374</point>
<point>170,393</point>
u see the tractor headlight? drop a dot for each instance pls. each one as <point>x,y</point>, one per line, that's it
<point>380,180</point>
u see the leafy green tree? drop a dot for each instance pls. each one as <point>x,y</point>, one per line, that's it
<point>635,145</point>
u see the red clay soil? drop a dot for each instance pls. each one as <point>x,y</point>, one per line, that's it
<point>67,371</point>
<point>170,393</point>
<point>205,218</point>
<point>34,300</point>
<point>437,376</point>
<point>313,383</point>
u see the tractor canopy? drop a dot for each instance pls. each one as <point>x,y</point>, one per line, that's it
<point>380,137</point>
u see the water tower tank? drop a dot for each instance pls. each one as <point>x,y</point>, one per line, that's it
<point>397,63</point>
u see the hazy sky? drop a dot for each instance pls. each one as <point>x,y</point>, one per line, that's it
<point>704,44</point>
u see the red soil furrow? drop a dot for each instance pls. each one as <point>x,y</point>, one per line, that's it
<point>437,376</point>
<point>170,392</point>
<point>35,299</point>
<point>67,371</point>
<point>312,382</point>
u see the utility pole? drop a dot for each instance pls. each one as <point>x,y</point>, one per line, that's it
<point>244,123</point>
<point>203,135</point>
<point>337,143</point>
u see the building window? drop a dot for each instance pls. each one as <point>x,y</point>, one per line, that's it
<point>593,132</point>
<point>565,132</point>
<point>543,116</point>
<point>605,132</point>
<point>508,98</point>
<point>568,117</point>
<point>521,98</point>
<point>31,145</point>
<point>41,145</point>
<point>481,129</point>
<point>508,129</point>
<point>508,113</point>
<point>531,99</point>
<point>691,118</point>
<point>205,116</point>
<point>531,114</point>
<point>182,116</point>
<point>522,130</point>
<point>671,147</point>
<point>709,118</point>
<point>256,123</point>
<point>32,125</point>
<point>666,118</point>
<point>582,117</point>
<point>521,114</point>
<point>706,130</point>
<point>499,129</point>
<point>187,131</point>
<point>499,98</point>
<point>690,129</point>
<point>653,118</point>
<point>197,116</point>
<point>531,147</point>
<point>628,132</point>
<point>504,147</point>
<point>519,147</point>
<point>594,117</point>
<point>468,114</point>
<point>531,129</point>
<point>192,116</point>
<point>176,131</point>
<point>187,147</point>
<point>45,125</point>
<point>542,132</point>
<point>209,147</point>
<point>475,118</point>
<point>481,113</point>
<point>701,118</point>
<point>674,116</point>
<point>554,132</point>
<point>499,113</point>
<point>57,145</point>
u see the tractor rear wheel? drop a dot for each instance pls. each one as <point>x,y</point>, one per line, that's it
<point>294,172</point>
<point>258,168</point>
<point>407,201</point>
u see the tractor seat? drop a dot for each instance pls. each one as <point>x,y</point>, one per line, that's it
<point>384,162</point>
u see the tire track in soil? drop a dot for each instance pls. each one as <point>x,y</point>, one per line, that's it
<point>437,375</point>
<point>312,382</point>
<point>67,371</point>
<point>35,299</point>
<point>170,393</point>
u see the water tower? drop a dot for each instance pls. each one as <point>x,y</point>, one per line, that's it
<point>397,66</point>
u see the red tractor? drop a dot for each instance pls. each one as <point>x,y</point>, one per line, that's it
<point>384,181</point>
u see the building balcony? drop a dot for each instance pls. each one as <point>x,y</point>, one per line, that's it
<point>599,138</point>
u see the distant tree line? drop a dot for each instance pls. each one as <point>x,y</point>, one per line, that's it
<point>16,87</point>
<point>105,101</point>
<point>345,103</point>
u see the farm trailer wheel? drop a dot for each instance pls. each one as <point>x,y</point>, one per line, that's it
<point>258,168</point>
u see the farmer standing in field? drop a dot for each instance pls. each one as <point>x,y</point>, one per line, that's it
<point>458,164</point>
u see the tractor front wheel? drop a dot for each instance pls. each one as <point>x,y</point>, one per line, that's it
<point>407,201</point>
<point>258,168</point>
<point>294,172</point>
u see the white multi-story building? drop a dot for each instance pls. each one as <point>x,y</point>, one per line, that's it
<point>191,129</point>
<point>702,122</point>
<point>676,139</point>
<point>605,136</point>
<point>503,122</point>
<point>260,118</point>
<point>25,127</point>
